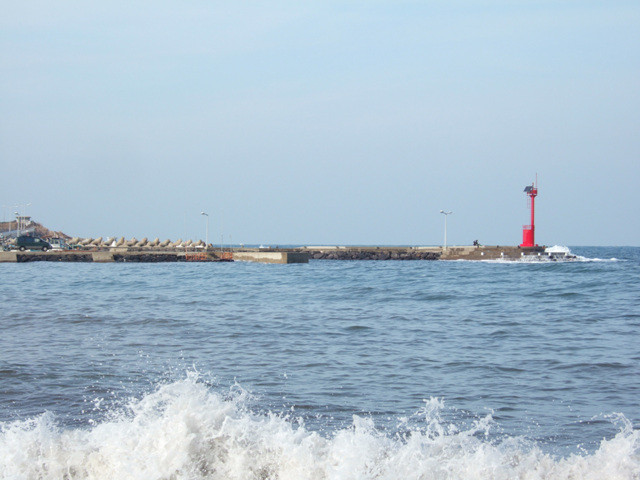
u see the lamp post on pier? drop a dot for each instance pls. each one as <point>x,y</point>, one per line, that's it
<point>21,217</point>
<point>206,241</point>
<point>445,226</point>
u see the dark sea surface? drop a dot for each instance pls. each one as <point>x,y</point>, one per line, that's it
<point>332,369</point>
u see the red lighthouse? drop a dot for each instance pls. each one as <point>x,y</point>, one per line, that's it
<point>528,231</point>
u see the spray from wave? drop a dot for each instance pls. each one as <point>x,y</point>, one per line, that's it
<point>185,431</point>
<point>554,254</point>
<point>563,253</point>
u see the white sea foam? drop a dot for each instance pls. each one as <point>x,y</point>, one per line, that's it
<point>558,249</point>
<point>185,431</point>
<point>554,254</point>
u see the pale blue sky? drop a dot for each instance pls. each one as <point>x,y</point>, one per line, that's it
<point>323,122</point>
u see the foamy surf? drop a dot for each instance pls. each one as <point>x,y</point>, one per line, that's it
<point>183,430</point>
<point>554,254</point>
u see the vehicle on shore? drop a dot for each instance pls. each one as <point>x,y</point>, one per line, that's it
<point>58,243</point>
<point>31,243</point>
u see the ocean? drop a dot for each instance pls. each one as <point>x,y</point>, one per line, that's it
<point>327,370</point>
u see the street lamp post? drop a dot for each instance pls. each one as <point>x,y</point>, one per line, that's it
<point>445,226</point>
<point>20,216</point>
<point>206,241</point>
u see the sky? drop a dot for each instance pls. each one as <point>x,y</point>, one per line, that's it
<point>323,122</point>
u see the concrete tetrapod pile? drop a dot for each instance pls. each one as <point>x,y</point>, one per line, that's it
<point>133,244</point>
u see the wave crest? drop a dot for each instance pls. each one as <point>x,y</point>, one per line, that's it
<point>184,430</point>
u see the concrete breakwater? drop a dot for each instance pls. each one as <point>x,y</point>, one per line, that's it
<point>483,252</point>
<point>108,257</point>
<point>373,253</point>
<point>274,255</point>
<point>138,255</point>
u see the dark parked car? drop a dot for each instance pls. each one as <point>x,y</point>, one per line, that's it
<point>32,243</point>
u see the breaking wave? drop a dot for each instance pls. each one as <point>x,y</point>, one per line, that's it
<point>554,254</point>
<point>183,430</point>
<point>560,251</point>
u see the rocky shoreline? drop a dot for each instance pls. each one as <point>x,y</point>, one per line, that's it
<point>373,255</point>
<point>100,257</point>
<point>53,257</point>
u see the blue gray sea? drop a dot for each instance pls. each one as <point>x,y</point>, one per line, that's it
<point>327,370</point>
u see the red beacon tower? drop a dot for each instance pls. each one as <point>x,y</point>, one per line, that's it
<point>528,231</point>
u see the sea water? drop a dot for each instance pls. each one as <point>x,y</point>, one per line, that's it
<point>326,370</point>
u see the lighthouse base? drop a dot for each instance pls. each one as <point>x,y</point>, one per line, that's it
<point>527,237</point>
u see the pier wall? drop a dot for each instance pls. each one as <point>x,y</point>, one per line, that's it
<point>373,253</point>
<point>272,257</point>
<point>483,252</point>
<point>8,257</point>
<point>151,256</point>
<point>489,252</point>
<point>283,256</point>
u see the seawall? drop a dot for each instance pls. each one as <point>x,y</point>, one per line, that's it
<point>139,255</point>
<point>100,256</point>
<point>483,252</point>
<point>273,255</point>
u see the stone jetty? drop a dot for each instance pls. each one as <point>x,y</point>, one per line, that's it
<point>143,251</point>
<point>373,253</point>
<point>481,252</point>
<point>114,249</point>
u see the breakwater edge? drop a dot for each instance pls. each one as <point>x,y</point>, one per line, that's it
<point>272,255</point>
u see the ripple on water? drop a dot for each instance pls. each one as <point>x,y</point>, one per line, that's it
<point>543,346</point>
